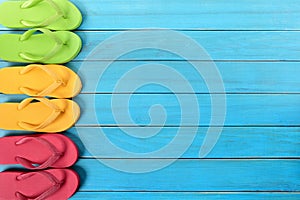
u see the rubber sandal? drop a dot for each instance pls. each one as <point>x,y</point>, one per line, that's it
<point>50,14</point>
<point>40,80</point>
<point>38,151</point>
<point>52,184</point>
<point>46,115</point>
<point>47,47</point>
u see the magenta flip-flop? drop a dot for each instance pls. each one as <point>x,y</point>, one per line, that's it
<point>52,184</point>
<point>38,151</point>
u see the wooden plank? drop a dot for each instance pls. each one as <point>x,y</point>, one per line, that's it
<point>220,45</point>
<point>187,195</point>
<point>194,175</point>
<point>199,15</point>
<point>234,142</point>
<point>238,77</point>
<point>242,110</point>
<point>191,175</point>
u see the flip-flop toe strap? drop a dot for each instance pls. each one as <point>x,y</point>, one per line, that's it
<point>58,44</point>
<point>55,154</point>
<point>49,20</point>
<point>57,81</point>
<point>56,185</point>
<point>56,112</point>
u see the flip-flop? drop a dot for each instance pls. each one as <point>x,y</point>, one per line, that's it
<point>50,14</point>
<point>52,184</point>
<point>55,115</point>
<point>40,80</point>
<point>38,151</point>
<point>48,47</point>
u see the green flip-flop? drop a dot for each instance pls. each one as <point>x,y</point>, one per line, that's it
<point>50,14</point>
<point>49,47</point>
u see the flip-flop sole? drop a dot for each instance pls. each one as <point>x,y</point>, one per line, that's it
<point>40,45</point>
<point>11,15</point>
<point>11,80</point>
<point>36,184</point>
<point>38,152</point>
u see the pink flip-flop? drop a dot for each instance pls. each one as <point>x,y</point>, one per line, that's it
<point>38,151</point>
<point>52,184</point>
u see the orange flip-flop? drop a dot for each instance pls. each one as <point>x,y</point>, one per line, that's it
<point>45,115</point>
<point>40,80</point>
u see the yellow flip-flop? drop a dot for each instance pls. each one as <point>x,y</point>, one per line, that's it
<point>45,115</point>
<point>40,80</point>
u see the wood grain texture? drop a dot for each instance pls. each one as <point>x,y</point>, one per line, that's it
<point>238,77</point>
<point>220,45</point>
<point>196,15</point>
<point>242,110</point>
<point>187,195</point>
<point>194,175</point>
<point>234,142</point>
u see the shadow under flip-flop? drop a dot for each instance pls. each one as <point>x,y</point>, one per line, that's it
<point>82,174</point>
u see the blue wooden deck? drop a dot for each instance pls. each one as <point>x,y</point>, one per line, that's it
<point>256,47</point>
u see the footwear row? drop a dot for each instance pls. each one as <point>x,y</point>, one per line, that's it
<point>48,155</point>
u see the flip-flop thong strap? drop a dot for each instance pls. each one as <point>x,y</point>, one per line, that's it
<point>34,58</point>
<point>57,81</point>
<point>30,3</point>
<point>55,154</point>
<point>56,185</point>
<point>56,111</point>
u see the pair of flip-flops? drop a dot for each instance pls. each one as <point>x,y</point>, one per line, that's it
<point>59,46</point>
<point>38,152</point>
<point>40,114</point>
